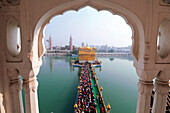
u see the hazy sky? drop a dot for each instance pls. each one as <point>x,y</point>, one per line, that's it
<point>89,26</point>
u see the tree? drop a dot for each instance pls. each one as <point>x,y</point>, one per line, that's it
<point>111,50</point>
<point>75,52</point>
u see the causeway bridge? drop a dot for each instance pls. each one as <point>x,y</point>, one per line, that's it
<point>112,54</point>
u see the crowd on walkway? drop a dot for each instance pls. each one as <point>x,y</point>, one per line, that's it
<point>86,100</point>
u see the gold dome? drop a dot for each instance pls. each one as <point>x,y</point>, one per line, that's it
<point>87,48</point>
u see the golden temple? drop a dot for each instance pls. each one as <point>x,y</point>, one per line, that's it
<point>87,53</point>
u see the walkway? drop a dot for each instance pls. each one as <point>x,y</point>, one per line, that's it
<point>95,92</point>
<point>86,99</point>
<point>87,92</point>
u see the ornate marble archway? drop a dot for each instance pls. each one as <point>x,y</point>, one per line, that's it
<point>138,39</point>
<point>131,19</point>
<point>143,16</point>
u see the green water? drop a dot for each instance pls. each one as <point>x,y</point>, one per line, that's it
<point>58,83</point>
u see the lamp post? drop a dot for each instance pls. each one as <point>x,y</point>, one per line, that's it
<point>97,80</point>
<point>75,107</point>
<point>78,88</point>
<point>108,108</point>
<point>101,89</point>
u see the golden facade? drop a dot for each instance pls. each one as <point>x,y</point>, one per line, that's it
<point>87,53</point>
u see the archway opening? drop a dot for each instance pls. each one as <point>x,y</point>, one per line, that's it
<point>61,65</point>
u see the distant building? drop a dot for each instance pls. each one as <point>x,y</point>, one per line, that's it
<point>50,43</point>
<point>82,44</point>
<point>71,44</point>
<point>59,49</point>
<point>106,48</point>
<point>69,47</point>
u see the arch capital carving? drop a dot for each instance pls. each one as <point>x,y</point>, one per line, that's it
<point>12,73</point>
<point>15,80</point>
<point>164,75</point>
<point>147,75</point>
<point>145,87</point>
<point>161,87</point>
<point>10,2</point>
<point>16,85</point>
<point>31,84</point>
<point>28,73</point>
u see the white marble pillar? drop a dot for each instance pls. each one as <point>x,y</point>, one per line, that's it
<point>144,96</point>
<point>15,91</point>
<point>2,107</point>
<point>16,94</point>
<point>31,99</point>
<point>160,97</point>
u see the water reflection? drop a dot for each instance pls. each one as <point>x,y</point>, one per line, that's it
<point>67,59</point>
<point>129,58</point>
<point>57,85</point>
<point>51,64</point>
<point>59,91</point>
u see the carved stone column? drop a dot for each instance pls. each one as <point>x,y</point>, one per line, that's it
<point>161,93</point>
<point>16,91</point>
<point>31,100</point>
<point>145,88</point>
<point>2,107</point>
<point>144,96</point>
<point>30,83</point>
